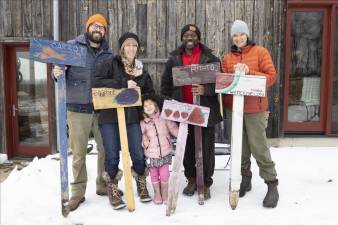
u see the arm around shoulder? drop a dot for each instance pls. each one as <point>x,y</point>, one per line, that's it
<point>104,76</point>
<point>148,87</point>
<point>167,80</point>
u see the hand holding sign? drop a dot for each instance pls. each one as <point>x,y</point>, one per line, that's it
<point>197,89</point>
<point>58,71</point>
<point>132,84</point>
<point>242,67</point>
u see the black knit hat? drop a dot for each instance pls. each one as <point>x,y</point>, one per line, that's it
<point>191,27</point>
<point>127,35</point>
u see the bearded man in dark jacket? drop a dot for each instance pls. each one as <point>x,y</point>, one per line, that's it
<point>193,52</point>
<point>81,118</point>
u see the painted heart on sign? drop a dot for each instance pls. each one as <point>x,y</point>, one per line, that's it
<point>168,112</point>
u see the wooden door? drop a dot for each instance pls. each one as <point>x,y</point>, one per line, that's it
<point>307,71</point>
<point>27,96</point>
<point>332,123</point>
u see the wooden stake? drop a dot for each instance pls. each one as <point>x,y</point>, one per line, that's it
<point>125,159</point>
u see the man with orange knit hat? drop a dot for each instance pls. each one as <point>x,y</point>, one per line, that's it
<point>81,117</point>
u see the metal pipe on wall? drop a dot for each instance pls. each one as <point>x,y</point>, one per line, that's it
<point>56,36</point>
<point>56,26</point>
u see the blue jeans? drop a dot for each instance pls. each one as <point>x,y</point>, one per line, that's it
<point>111,142</point>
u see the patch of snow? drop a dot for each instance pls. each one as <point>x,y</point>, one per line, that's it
<point>308,187</point>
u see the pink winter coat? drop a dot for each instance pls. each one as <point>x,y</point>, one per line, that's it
<point>156,136</point>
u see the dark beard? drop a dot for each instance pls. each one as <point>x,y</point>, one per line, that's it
<point>95,40</point>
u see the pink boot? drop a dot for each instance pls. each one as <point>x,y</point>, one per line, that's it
<point>157,193</point>
<point>164,191</point>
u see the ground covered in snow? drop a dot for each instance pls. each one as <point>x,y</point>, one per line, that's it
<point>308,195</point>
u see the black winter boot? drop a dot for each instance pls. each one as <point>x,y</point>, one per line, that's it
<point>272,196</point>
<point>207,194</point>
<point>191,187</point>
<point>245,185</point>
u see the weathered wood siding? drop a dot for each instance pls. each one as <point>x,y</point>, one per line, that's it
<point>158,24</point>
<point>21,19</point>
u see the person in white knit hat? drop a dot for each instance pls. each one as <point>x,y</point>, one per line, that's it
<point>254,60</point>
<point>239,26</point>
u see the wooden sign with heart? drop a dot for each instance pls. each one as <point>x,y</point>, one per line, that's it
<point>185,113</point>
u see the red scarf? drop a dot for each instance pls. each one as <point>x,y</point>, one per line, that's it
<point>194,58</point>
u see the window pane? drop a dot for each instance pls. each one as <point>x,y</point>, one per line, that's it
<point>32,101</point>
<point>305,76</point>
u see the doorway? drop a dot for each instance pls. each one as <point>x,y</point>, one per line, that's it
<point>28,103</point>
<point>309,94</point>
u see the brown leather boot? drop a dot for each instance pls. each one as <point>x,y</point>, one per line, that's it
<point>102,190</point>
<point>142,190</point>
<point>191,187</point>
<point>113,192</point>
<point>75,202</point>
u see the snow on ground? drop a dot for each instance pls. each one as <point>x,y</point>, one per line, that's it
<point>308,195</point>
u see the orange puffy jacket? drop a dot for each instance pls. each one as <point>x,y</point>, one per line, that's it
<point>259,61</point>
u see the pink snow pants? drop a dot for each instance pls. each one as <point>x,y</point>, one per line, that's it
<point>159,174</point>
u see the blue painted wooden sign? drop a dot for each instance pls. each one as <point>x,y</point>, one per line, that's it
<point>61,53</point>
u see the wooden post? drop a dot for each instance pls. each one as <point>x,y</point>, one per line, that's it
<point>199,158</point>
<point>126,159</point>
<point>62,142</point>
<point>56,52</point>
<point>176,169</point>
<point>239,85</point>
<point>185,114</point>
<point>189,75</point>
<point>105,98</point>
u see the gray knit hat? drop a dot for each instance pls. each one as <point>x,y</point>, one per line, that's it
<point>239,26</point>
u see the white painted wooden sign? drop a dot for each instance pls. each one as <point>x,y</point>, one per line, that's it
<point>246,85</point>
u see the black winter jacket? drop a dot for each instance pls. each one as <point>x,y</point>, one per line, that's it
<point>111,73</point>
<point>209,99</point>
<point>79,79</point>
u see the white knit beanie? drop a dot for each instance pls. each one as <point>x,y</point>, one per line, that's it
<point>239,26</point>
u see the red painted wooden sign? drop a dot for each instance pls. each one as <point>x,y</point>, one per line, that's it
<point>185,113</point>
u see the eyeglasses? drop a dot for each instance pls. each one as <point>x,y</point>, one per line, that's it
<point>190,35</point>
<point>98,27</point>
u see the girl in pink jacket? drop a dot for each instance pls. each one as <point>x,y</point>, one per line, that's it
<point>156,135</point>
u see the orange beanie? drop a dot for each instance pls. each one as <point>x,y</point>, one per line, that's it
<point>97,18</point>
